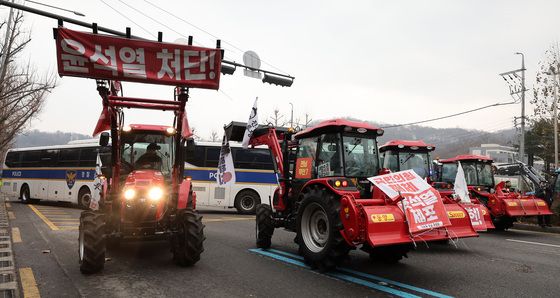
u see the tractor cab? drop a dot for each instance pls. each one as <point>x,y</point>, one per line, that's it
<point>477,169</point>
<point>400,155</point>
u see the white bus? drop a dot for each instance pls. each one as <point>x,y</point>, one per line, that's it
<point>55,173</point>
<point>255,174</point>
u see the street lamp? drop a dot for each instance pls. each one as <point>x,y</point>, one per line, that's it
<point>292,116</point>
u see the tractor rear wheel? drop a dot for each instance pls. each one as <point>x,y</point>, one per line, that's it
<point>388,254</point>
<point>265,226</point>
<point>92,242</point>
<point>502,223</point>
<point>186,244</point>
<point>318,229</point>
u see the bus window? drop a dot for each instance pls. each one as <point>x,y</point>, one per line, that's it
<point>13,159</point>
<point>49,158</point>
<point>212,156</point>
<point>196,158</point>
<point>31,159</point>
<point>69,157</point>
<point>259,159</point>
<point>88,157</point>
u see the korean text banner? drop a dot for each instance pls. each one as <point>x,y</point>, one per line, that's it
<point>97,56</point>
<point>421,203</point>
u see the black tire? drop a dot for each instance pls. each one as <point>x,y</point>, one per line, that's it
<point>187,243</point>
<point>264,225</point>
<point>24,195</point>
<point>84,197</point>
<point>502,223</point>
<point>324,207</point>
<point>246,201</point>
<point>388,254</point>
<point>91,239</point>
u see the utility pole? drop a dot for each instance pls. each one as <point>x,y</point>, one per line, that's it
<point>292,116</point>
<point>555,119</point>
<point>522,138</point>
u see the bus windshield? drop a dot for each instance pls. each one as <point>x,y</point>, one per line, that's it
<point>479,174</point>
<point>417,161</point>
<point>147,150</point>
<point>360,156</point>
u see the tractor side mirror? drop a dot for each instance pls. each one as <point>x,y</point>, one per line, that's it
<point>104,139</point>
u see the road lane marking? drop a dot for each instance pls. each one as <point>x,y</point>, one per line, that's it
<point>536,243</point>
<point>44,218</point>
<point>11,215</point>
<point>28,283</point>
<point>371,276</point>
<point>354,276</point>
<point>16,235</point>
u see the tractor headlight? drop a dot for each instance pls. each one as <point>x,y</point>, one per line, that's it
<point>129,194</point>
<point>155,194</point>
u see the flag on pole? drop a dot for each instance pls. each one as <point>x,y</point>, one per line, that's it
<point>104,121</point>
<point>252,124</point>
<point>97,186</point>
<point>460,186</point>
<point>187,132</point>
<point>226,171</point>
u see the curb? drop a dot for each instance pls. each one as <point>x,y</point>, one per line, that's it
<point>8,277</point>
<point>535,228</point>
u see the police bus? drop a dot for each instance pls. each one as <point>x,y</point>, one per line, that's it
<point>56,173</point>
<point>255,174</point>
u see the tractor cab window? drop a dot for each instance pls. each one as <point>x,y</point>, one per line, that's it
<point>470,173</point>
<point>147,151</point>
<point>449,172</point>
<point>417,161</point>
<point>391,161</point>
<point>360,156</point>
<point>329,162</point>
<point>485,176</point>
<point>305,161</point>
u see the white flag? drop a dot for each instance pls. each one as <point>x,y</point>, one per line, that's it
<point>226,171</point>
<point>252,124</point>
<point>97,186</point>
<point>460,186</point>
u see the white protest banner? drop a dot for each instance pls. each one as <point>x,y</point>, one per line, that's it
<point>460,186</point>
<point>226,171</point>
<point>97,186</point>
<point>252,124</point>
<point>423,205</point>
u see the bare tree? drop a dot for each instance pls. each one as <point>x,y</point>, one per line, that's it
<point>545,82</point>
<point>22,90</point>
<point>214,137</point>
<point>276,118</point>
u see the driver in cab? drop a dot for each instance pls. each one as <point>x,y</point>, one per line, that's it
<point>150,159</point>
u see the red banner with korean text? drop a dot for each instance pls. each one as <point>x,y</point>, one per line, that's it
<point>477,216</point>
<point>421,203</point>
<point>98,56</point>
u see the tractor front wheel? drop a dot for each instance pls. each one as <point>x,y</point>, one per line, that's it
<point>318,229</point>
<point>186,243</point>
<point>91,241</point>
<point>265,226</point>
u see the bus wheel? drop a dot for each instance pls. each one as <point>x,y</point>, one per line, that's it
<point>84,197</point>
<point>246,201</point>
<point>24,194</point>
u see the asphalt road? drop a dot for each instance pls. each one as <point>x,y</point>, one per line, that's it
<point>508,264</point>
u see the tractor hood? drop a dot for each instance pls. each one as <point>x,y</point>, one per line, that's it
<point>144,178</point>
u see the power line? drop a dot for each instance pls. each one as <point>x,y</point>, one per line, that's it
<point>124,16</point>
<point>449,116</point>
<point>201,29</point>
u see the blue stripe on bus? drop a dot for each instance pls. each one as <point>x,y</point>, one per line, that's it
<point>245,176</point>
<point>55,174</point>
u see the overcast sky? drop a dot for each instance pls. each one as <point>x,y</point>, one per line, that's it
<point>385,61</point>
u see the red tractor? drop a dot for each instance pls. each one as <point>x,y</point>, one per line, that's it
<point>325,198</point>
<point>505,206</point>
<point>144,193</point>
<point>400,155</point>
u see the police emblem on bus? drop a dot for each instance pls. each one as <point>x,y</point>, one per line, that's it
<point>70,178</point>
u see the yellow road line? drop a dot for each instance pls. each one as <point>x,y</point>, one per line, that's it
<point>28,283</point>
<point>16,235</point>
<point>44,218</point>
<point>8,205</point>
<point>65,219</point>
<point>11,215</point>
